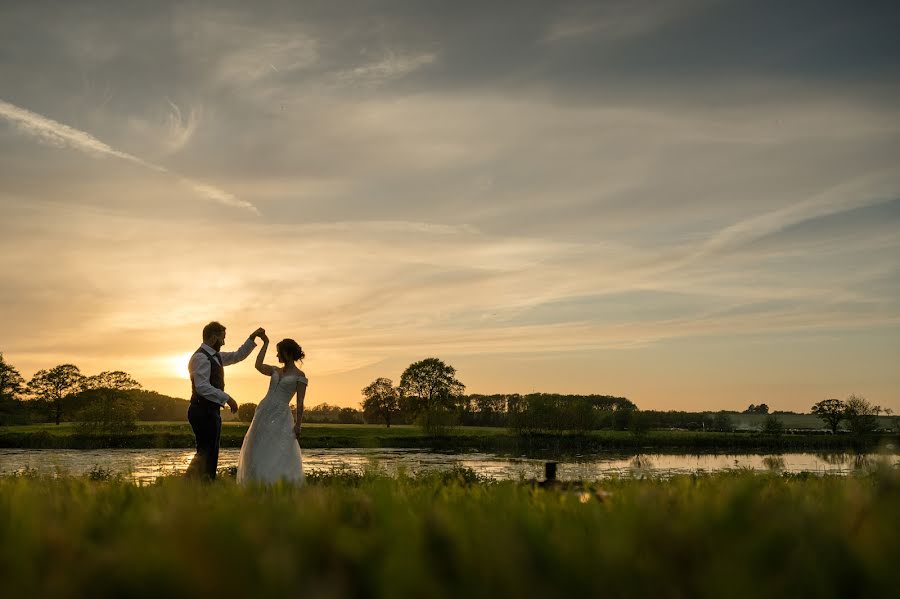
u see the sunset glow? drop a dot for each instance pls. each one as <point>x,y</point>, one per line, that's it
<point>179,365</point>
<point>580,200</point>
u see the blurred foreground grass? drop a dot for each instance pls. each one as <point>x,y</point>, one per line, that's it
<point>449,535</point>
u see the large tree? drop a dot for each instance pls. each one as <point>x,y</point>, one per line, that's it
<point>109,407</point>
<point>382,401</point>
<point>11,382</point>
<point>430,388</point>
<point>831,412</point>
<point>55,385</point>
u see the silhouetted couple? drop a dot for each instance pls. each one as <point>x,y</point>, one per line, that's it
<point>270,451</point>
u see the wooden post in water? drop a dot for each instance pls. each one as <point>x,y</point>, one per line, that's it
<point>549,471</point>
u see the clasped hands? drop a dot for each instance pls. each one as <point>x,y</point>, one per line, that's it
<point>261,333</point>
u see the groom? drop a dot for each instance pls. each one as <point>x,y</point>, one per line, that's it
<point>208,396</point>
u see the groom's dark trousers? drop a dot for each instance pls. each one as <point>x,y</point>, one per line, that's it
<point>206,421</point>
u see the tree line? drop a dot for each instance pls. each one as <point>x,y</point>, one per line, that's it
<point>429,394</point>
<point>111,401</point>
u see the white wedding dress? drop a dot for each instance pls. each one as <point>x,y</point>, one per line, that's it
<point>270,451</point>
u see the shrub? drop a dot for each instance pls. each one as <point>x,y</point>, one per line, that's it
<point>109,412</point>
<point>722,422</point>
<point>246,411</point>
<point>772,425</point>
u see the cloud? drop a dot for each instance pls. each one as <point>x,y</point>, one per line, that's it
<point>617,20</point>
<point>59,135</point>
<point>389,227</point>
<point>216,194</point>
<point>180,128</point>
<point>243,53</point>
<point>392,66</point>
<point>48,131</point>
<point>861,192</point>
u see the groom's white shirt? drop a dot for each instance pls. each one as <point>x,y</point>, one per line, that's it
<point>198,367</point>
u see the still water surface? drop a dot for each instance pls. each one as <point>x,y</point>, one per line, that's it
<point>144,465</point>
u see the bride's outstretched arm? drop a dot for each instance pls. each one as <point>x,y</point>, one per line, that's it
<point>263,368</point>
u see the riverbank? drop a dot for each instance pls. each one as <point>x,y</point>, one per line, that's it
<point>144,466</point>
<point>450,535</point>
<point>179,435</point>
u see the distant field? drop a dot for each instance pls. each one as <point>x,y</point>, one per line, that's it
<point>450,535</point>
<point>179,434</point>
<point>794,421</point>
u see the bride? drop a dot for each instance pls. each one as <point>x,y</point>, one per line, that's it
<point>270,451</point>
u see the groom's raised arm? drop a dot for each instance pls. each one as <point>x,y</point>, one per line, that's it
<point>233,357</point>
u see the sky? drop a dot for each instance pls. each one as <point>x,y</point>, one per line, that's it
<point>693,204</point>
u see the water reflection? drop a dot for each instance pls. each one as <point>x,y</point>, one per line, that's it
<point>146,464</point>
<point>857,462</point>
<point>775,463</point>
<point>833,459</point>
<point>641,465</point>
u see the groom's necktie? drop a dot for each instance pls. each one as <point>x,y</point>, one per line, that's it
<point>218,358</point>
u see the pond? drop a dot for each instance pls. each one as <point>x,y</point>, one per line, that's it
<point>144,465</point>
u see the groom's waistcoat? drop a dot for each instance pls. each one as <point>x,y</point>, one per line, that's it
<point>216,377</point>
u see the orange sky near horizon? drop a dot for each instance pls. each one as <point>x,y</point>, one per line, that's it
<point>695,374</point>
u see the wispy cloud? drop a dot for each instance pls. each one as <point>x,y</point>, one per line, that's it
<point>862,191</point>
<point>180,127</point>
<point>57,134</point>
<point>392,66</point>
<point>244,54</point>
<point>617,20</point>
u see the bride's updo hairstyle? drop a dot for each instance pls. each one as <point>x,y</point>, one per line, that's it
<point>288,349</point>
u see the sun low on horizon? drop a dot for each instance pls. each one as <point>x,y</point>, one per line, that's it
<point>587,198</point>
<point>179,365</point>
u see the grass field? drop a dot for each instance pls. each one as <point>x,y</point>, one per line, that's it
<point>448,535</point>
<point>793,421</point>
<point>179,435</point>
